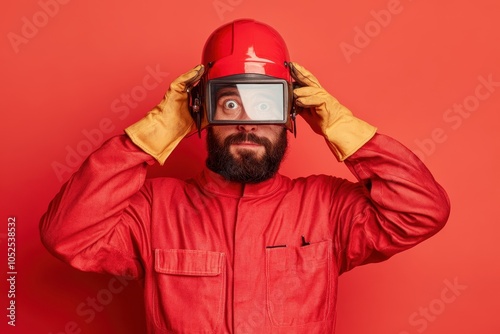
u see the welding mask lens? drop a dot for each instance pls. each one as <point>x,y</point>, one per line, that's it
<point>240,103</point>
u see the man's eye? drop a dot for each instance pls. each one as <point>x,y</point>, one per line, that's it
<point>231,104</point>
<point>262,106</point>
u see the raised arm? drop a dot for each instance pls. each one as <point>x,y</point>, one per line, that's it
<point>99,221</point>
<point>395,205</point>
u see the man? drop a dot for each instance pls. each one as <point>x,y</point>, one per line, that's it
<point>240,248</point>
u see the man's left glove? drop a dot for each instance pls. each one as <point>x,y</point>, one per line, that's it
<point>159,132</point>
<point>343,132</point>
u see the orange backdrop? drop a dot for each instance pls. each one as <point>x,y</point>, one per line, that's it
<point>75,73</point>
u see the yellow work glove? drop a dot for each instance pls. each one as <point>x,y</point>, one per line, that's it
<point>159,132</point>
<point>343,132</point>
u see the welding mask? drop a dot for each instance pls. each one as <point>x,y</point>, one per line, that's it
<point>247,78</point>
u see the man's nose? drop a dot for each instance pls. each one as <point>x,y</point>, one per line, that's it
<point>247,127</point>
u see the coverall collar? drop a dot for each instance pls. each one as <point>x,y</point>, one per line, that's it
<point>216,184</point>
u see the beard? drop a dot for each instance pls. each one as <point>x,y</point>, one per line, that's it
<point>247,167</point>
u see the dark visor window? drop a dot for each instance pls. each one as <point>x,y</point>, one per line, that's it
<point>242,102</point>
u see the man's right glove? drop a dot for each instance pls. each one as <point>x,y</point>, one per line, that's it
<point>343,132</point>
<point>159,132</point>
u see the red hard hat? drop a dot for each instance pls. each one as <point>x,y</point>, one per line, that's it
<point>245,52</point>
<point>246,46</point>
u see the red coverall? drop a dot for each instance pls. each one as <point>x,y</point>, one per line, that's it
<point>223,257</point>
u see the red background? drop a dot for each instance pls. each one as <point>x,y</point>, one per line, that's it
<point>62,79</point>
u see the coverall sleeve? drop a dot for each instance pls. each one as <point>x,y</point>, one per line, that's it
<point>395,205</point>
<point>99,220</point>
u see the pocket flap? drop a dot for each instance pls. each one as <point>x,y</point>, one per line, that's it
<point>188,262</point>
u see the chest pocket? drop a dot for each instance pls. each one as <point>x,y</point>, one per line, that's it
<point>299,283</point>
<point>191,290</point>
